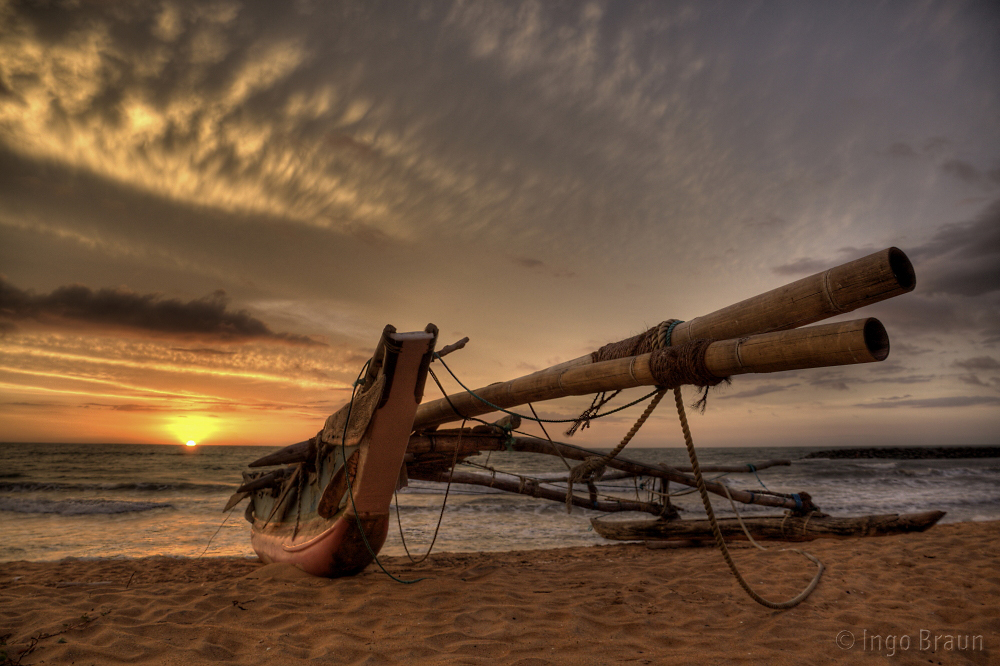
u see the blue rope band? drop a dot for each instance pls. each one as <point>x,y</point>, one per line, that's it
<point>670,331</point>
<point>798,501</point>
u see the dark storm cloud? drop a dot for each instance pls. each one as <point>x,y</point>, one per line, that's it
<point>119,308</point>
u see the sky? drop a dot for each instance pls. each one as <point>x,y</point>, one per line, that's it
<point>209,210</point>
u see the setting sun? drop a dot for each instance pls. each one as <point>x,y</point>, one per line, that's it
<point>191,442</point>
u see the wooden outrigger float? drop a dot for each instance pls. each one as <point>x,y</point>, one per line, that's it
<point>327,509</point>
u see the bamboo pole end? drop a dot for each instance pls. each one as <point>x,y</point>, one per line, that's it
<point>902,269</point>
<point>876,339</point>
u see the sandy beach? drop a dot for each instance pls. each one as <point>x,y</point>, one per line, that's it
<point>615,604</point>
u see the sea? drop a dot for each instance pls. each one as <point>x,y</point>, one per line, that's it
<point>130,500</point>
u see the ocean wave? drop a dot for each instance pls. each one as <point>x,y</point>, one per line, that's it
<point>77,507</point>
<point>159,486</point>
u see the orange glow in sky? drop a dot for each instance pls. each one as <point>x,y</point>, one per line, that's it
<point>208,214</point>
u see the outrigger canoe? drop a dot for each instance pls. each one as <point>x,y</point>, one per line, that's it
<point>329,513</point>
<point>325,505</point>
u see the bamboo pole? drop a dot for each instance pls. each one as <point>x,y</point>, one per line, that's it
<point>841,289</point>
<point>620,462</point>
<point>532,488</point>
<point>858,341</point>
<point>444,442</point>
<point>845,288</point>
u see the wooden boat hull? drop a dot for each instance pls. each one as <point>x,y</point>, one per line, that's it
<point>323,547</point>
<point>330,514</point>
<point>772,528</point>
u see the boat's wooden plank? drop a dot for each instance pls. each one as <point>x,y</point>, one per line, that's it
<point>776,528</point>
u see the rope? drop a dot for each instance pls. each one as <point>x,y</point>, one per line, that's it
<point>582,422</point>
<point>720,542</point>
<point>219,529</point>
<point>594,466</point>
<point>806,523</point>
<point>546,432</point>
<point>447,490</point>
<point>753,469</point>
<point>657,337</point>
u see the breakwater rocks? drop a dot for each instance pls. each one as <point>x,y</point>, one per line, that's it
<point>911,453</point>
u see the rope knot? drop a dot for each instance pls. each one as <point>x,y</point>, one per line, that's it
<point>590,470</point>
<point>582,422</point>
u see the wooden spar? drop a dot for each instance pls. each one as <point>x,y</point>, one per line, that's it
<point>777,528</point>
<point>858,341</point>
<point>532,488</point>
<point>835,291</point>
<point>571,452</point>
<point>445,442</point>
<point>293,453</point>
<point>845,288</point>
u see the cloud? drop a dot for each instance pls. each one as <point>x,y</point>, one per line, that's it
<point>951,401</point>
<point>760,390</point>
<point>900,149</point>
<point>970,174</point>
<point>540,266</point>
<point>802,266</point>
<point>979,363</point>
<point>964,258</point>
<point>74,305</point>
<point>963,171</point>
<point>972,380</point>
<point>809,265</point>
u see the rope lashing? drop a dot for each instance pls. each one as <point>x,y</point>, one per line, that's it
<point>657,337</point>
<point>682,364</point>
<point>670,366</point>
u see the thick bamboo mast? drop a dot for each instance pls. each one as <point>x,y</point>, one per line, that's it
<point>845,288</point>
<point>859,341</point>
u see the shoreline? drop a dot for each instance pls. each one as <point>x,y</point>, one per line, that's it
<point>593,604</point>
